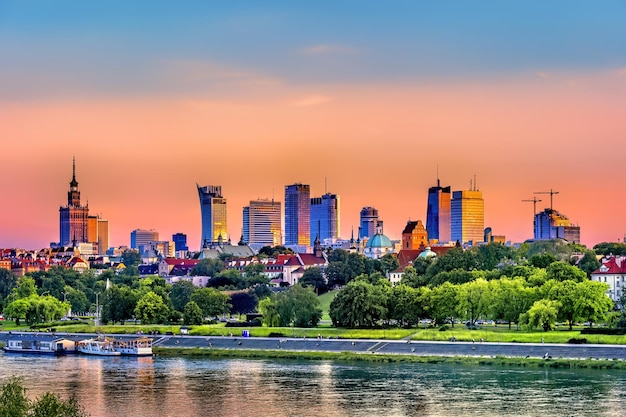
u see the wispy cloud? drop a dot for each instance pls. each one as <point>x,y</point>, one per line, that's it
<point>190,71</point>
<point>311,100</point>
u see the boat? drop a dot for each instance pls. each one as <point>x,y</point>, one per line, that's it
<point>100,346</point>
<point>141,346</point>
<point>55,347</point>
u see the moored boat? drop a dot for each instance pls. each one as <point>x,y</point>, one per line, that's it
<point>40,347</point>
<point>100,346</point>
<point>141,346</point>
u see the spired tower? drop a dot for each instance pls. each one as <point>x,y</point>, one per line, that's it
<point>73,218</point>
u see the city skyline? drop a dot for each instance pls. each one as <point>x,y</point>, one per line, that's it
<point>256,96</point>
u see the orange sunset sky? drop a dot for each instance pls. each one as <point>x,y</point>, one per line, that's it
<point>158,98</point>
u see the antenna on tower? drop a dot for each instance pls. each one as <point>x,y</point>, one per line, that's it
<point>475,182</point>
<point>438,183</point>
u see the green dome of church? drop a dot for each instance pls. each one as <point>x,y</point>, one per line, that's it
<point>379,241</point>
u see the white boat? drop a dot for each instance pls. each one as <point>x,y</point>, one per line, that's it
<point>100,346</point>
<point>40,347</point>
<point>141,346</point>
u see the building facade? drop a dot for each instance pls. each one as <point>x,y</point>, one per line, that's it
<point>325,218</point>
<point>612,271</point>
<point>438,214</point>
<point>369,222</point>
<point>180,242</point>
<point>213,213</point>
<point>414,236</point>
<point>298,214</point>
<point>73,218</point>
<point>550,224</point>
<point>140,237</point>
<point>261,223</point>
<point>467,216</point>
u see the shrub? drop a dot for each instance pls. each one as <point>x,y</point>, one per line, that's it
<point>575,341</point>
<point>444,328</point>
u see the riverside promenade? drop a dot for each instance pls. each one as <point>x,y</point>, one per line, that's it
<point>402,347</point>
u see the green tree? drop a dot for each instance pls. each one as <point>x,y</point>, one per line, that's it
<point>561,271</point>
<point>411,278</point>
<point>267,307</point>
<point>591,302</point>
<point>314,278</point>
<point>242,302</point>
<point>610,248</point>
<point>510,298</point>
<point>131,257</point>
<point>15,403</point>
<point>192,313</point>
<point>229,278</point>
<point>213,303</point>
<point>298,305</point>
<point>151,309</point>
<point>8,281</point>
<point>543,313</point>
<point>491,255</point>
<point>119,304</point>
<point>26,287</point>
<point>443,303</point>
<point>565,293</point>
<point>13,400</point>
<point>542,260</point>
<point>473,298</point>
<point>76,298</point>
<point>17,310</point>
<point>389,263</point>
<point>208,267</point>
<point>406,305</point>
<point>359,304</point>
<point>181,294</point>
<point>589,263</point>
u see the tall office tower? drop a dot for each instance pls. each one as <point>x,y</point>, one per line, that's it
<point>297,214</point>
<point>98,233</point>
<point>325,217</point>
<point>261,223</point>
<point>438,213</point>
<point>467,215</point>
<point>550,224</point>
<point>180,241</point>
<point>103,236</point>
<point>140,237</point>
<point>73,217</point>
<point>213,212</point>
<point>369,222</point>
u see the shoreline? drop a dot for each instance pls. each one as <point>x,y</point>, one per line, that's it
<point>562,363</point>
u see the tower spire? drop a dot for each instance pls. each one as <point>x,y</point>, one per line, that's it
<point>73,168</point>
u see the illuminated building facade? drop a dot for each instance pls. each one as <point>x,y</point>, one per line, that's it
<point>298,214</point>
<point>73,218</point>
<point>467,216</point>
<point>438,214</point>
<point>140,237</point>
<point>325,218</point>
<point>369,222</point>
<point>213,213</point>
<point>261,223</point>
<point>550,224</point>
<point>414,236</point>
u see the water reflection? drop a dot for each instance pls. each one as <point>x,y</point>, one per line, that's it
<point>230,388</point>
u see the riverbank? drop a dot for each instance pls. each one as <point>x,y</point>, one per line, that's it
<point>392,358</point>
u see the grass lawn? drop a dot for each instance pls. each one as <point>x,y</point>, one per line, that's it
<point>325,300</point>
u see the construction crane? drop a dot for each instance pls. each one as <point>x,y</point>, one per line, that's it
<point>534,201</point>
<point>551,192</point>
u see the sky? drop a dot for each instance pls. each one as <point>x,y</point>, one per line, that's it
<point>371,98</point>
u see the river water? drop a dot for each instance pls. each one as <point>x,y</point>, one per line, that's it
<point>153,387</point>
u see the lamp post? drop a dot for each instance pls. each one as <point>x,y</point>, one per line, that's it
<point>97,320</point>
<point>44,293</point>
<point>64,296</point>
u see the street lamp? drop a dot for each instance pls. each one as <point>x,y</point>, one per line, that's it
<point>64,296</point>
<point>44,293</point>
<point>97,321</point>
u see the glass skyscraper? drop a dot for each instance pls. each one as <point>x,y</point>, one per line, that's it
<point>213,212</point>
<point>369,222</point>
<point>438,213</point>
<point>467,216</point>
<point>297,214</point>
<point>325,217</point>
<point>261,223</point>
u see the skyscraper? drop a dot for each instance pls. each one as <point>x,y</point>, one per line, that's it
<point>73,218</point>
<point>98,233</point>
<point>180,242</point>
<point>140,237</point>
<point>369,223</point>
<point>261,223</point>
<point>550,224</point>
<point>467,216</point>
<point>438,213</point>
<point>325,217</point>
<point>213,212</point>
<point>297,214</point>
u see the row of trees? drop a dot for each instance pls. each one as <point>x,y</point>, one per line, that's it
<point>370,301</point>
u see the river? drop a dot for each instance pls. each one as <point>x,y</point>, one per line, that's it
<point>182,387</point>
